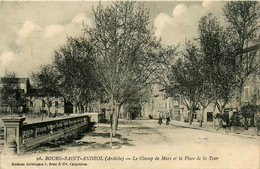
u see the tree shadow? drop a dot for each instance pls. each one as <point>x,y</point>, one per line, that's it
<point>103,141</point>
<point>86,140</point>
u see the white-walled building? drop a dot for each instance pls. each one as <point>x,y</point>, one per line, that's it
<point>40,101</point>
<point>37,100</point>
<point>159,102</point>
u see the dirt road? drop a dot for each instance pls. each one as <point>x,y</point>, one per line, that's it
<point>145,144</point>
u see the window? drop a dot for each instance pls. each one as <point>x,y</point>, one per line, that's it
<point>56,104</point>
<point>226,116</point>
<point>209,116</point>
<point>43,103</point>
<point>31,103</point>
<point>50,103</point>
<point>194,115</point>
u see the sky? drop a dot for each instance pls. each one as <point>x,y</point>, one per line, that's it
<point>30,32</point>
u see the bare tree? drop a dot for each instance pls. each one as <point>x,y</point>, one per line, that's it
<point>73,66</point>
<point>125,52</point>
<point>218,63</point>
<point>71,73</point>
<point>243,29</point>
<point>46,81</point>
<point>186,80</point>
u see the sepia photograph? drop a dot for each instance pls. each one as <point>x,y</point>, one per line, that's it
<point>129,84</point>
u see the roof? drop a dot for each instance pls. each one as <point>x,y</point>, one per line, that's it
<point>42,92</point>
<point>4,80</point>
<point>14,90</point>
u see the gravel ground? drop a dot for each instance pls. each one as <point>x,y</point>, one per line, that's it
<point>139,142</point>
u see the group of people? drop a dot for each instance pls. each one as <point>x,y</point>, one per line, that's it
<point>167,117</point>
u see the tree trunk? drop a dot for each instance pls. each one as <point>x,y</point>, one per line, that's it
<point>11,110</point>
<point>239,101</point>
<point>221,118</point>
<point>127,114</point>
<point>252,121</point>
<point>114,124</point>
<point>246,124</point>
<point>202,116</point>
<point>190,117</point>
<point>119,108</point>
<point>115,118</point>
<point>214,110</point>
<point>42,116</point>
<point>49,110</point>
<point>111,136</point>
<point>75,108</point>
<point>85,108</point>
<point>80,108</point>
<point>111,119</point>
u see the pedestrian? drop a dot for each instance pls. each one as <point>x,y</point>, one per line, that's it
<point>160,118</point>
<point>150,116</point>
<point>167,115</point>
<point>258,124</point>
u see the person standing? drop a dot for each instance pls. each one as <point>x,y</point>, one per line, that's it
<point>160,118</point>
<point>167,118</point>
<point>258,124</point>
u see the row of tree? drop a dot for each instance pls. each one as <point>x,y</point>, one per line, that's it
<point>215,65</point>
<point>118,60</point>
<point>115,61</point>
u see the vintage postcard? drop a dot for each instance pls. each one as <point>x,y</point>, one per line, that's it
<point>129,84</point>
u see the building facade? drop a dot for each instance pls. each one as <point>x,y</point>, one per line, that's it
<point>37,101</point>
<point>47,102</point>
<point>161,102</point>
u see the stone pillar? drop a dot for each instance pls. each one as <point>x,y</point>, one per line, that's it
<point>12,134</point>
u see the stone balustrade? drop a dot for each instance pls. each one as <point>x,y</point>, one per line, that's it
<point>20,137</point>
<point>94,116</point>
